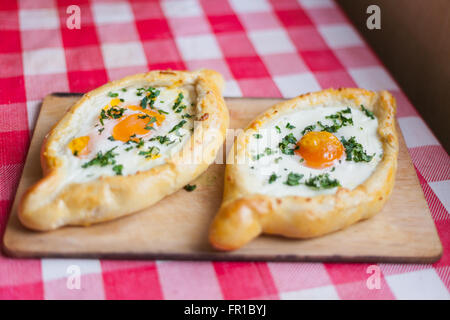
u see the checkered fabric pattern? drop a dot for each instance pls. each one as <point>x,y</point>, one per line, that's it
<point>278,48</point>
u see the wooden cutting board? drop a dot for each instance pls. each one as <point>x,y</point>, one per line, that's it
<point>177,226</point>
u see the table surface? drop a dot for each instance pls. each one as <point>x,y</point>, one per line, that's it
<point>264,49</point>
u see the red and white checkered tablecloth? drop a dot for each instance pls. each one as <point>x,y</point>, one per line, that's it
<point>277,48</point>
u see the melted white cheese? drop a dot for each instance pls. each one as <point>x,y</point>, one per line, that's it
<point>86,123</point>
<point>349,173</point>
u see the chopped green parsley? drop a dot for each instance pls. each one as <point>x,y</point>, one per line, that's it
<point>149,123</point>
<point>285,143</point>
<point>273,177</point>
<point>190,187</point>
<point>144,102</point>
<point>178,126</point>
<point>139,143</point>
<point>177,106</point>
<point>267,152</point>
<point>150,97</point>
<point>257,135</point>
<point>354,151</point>
<point>118,169</point>
<point>162,140</point>
<point>293,179</point>
<point>367,112</point>
<point>308,129</point>
<point>322,181</point>
<point>339,121</point>
<point>101,159</point>
<point>290,126</point>
<point>151,152</point>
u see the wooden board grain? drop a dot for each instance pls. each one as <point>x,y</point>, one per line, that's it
<point>177,226</point>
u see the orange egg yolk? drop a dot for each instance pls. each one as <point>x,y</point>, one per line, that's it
<point>78,145</point>
<point>136,124</point>
<point>319,149</point>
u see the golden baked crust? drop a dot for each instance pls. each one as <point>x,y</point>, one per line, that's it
<point>244,214</point>
<point>50,204</point>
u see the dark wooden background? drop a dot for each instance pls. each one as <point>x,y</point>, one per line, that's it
<point>414,44</point>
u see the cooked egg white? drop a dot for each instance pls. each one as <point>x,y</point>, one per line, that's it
<point>269,168</point>
<point>137,139</point>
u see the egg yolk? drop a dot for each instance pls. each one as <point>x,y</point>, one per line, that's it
<point>78,145</point>
<point>319,149</point>
<point>114,102</point>
<point>136,124</point>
